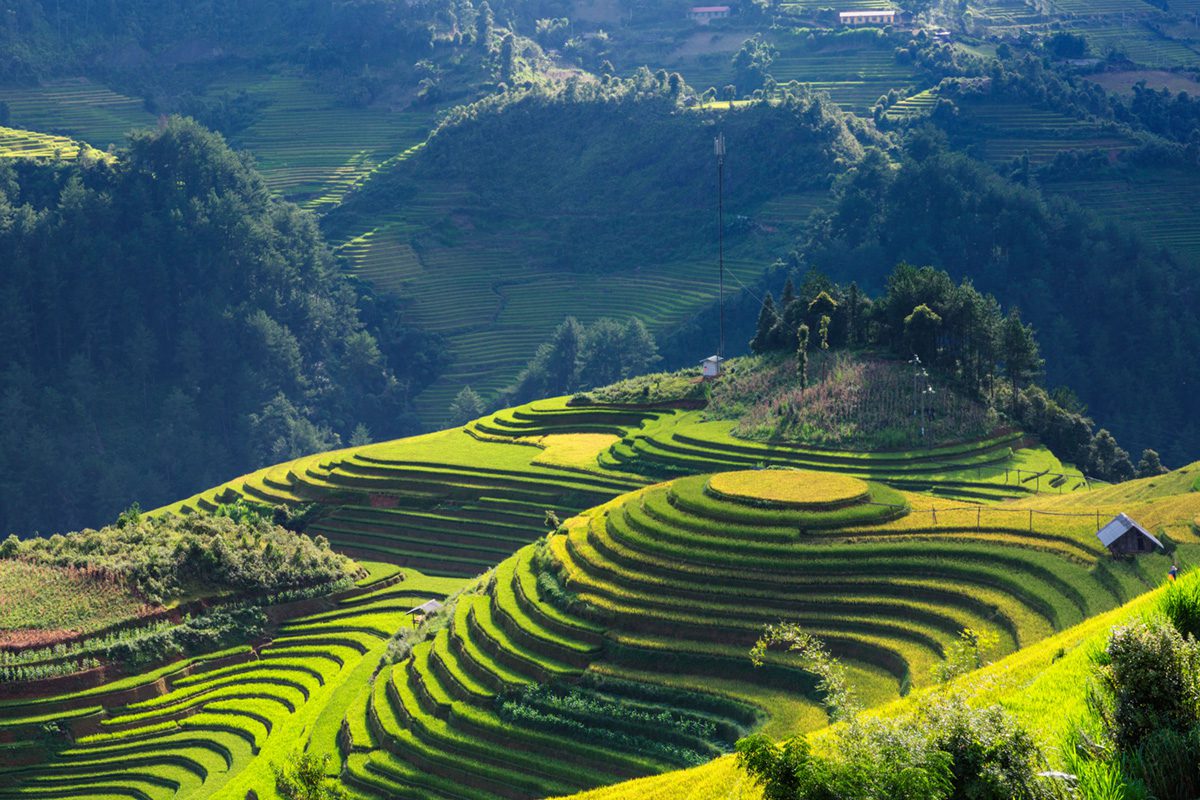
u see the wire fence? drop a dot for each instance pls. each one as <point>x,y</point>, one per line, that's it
<point>980,516</point>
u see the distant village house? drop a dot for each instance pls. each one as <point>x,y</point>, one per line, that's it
<point>1123,536</point>
<point>887,16</point>
<point>703,14</point>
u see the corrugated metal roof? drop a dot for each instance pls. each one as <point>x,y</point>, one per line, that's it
<point>428,607</point>
<point>1120,525</point>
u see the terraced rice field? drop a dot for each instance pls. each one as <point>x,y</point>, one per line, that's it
<point>77,108</point>
<point>668,588</point>
<point>491,338</point>
<point>808,7</point>
<point>1092,8</point>
<point>999,17</point>
<point>15,143</point>
<point>1007,130</point>
<point>672,443</point>
<point>445,503</point>
<point>311,148</point>
<point>209,725</point>
<point>1162,205</point>
<point>1141,46</point>
<point>853,77</point>
<point>917,105</point>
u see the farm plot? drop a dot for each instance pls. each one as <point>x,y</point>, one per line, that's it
<point>446,503</point>
<point>527,695</point>
<point>912,107</point>
<point>1162,205</point>
<point>40,605</point>
<point>1007,130</point>
<point>1140,45</point>
<point>16,143</point>
<point>77,108</point>
<point>310,148</point>
<point>854,77</point>
<point>673,443</point>
<point>493,337</point>
<point>212,724</point>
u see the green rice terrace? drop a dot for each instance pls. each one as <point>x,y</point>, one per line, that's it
<point>612,647</point>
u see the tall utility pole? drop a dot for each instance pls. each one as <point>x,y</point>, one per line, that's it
<point>719,149</point>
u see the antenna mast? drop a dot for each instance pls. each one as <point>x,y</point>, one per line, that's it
<point>719,150</point>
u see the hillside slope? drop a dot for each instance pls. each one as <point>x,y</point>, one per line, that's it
<point>587,200</point>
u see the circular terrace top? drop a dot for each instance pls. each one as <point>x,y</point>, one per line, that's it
<point>788,487</point>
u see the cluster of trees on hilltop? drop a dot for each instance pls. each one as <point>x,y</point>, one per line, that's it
<point>578,357</point>
<point>165,323</point>
<point>618,172</point>
<point>956,330</point>
<point>1118,318</point>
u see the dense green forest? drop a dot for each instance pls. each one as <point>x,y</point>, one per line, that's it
<point>1117,317</point>
<point>165,322</point>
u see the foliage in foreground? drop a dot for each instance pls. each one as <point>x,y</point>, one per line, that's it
<point>1141,737</point>
<point>167,557</point>
<point>947,750</point>
<point>304,778</point>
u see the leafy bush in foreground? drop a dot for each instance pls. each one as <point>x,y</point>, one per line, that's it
<point>948,751</point>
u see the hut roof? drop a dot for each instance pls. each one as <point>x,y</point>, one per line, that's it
<point>428,607</point>
<point>1120,525</point>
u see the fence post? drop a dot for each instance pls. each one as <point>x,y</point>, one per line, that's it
<point>1097,520</point>
<point>979,518</point>
<point>1031,520</point>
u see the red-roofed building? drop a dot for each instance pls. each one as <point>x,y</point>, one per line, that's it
<point>703,14</point>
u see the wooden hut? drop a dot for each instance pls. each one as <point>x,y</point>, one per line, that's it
<point>1123,536</point>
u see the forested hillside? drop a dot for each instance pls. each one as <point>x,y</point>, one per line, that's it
<point>166,321</point>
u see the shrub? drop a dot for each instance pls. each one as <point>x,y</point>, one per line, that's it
<point>1150,681</point>
<point>303,777</point>
<point>969,652</point>
<point>947,750</point>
